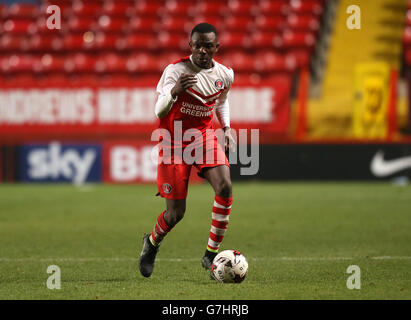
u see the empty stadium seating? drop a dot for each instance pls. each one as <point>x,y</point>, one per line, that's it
<point>407,37</point>
<point>131,38</point>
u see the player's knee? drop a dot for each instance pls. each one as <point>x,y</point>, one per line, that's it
<point>175,214</point>
<point>224,189</point>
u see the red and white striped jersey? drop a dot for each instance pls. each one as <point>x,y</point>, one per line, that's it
<point>195,106</point>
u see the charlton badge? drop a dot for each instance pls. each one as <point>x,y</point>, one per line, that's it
<point>166,188</point>
<point>218,84</point>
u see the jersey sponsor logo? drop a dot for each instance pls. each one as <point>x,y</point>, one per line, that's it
<point>167,188</point>
<point>382,168</point>
<point>219,84</point>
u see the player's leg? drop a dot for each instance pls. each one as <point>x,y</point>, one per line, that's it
<point>220,180</point>
<point>172,183</point>
<point>167,220</point>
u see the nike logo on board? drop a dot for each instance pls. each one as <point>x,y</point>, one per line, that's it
<point>382,168</point>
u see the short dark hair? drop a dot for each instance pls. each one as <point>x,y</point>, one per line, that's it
<point>204,28</point>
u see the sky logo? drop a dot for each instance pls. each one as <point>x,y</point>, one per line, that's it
<point>57,162</point>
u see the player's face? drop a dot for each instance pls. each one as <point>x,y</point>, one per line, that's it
<point>204,46</point>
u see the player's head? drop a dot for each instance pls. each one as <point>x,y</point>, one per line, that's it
<point>204,44</point>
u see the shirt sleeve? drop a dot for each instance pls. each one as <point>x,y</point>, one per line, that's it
<point>222,108</point>
<point>164,100</point>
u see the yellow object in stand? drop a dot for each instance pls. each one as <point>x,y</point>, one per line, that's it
<point>330,113</point>
<point>371,96</point>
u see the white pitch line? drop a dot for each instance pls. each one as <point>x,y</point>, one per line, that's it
<point>129,259</point>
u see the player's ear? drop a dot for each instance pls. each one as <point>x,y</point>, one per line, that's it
<point>217,45</point>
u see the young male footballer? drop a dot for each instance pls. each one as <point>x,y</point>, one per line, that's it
<point>188,92</point>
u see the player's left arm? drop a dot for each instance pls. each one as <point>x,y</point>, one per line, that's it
<point>223,114</point>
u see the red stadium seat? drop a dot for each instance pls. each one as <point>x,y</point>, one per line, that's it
<point>52,63</point>
<point>106,41</point>
<point>246,78</point>
<point>235,23</point>
<point>148,8</point>
<point>271,62</point>
<point>239,61</point>
<point>232,40</point>
<point>237,7</point>
<point>168,41</point>
<point>178,8</point>
<point>87,8</point>
<point>9,42</point>
<point>291,39</point>
<point>297,22</point>
<point>112,25</point>
<point>175,25</point>
<point>143,62</point>
<point>142,24</point>
<point>111,62</point>
<point>45,43</point>
<point>137,41</point>
<point>18,26</point>
<point>81,24</point>
<point>266,23</point>
<point>301,56</point>
<point>306,7</point>
<point>22,10</point>
<point>261,40</point>
<point>77,42</point>
<point>406,39</point>
<point>165,59</point>
<point>19,63</point>
<point>81,63</point>
<point>268,7</point>
<point>215,20</point>
<point>118,8</point>
<point>206,8</point>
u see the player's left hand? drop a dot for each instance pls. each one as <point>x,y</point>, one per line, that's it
<point>229,141</point>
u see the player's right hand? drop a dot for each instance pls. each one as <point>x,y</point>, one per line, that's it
<point>184,82</point>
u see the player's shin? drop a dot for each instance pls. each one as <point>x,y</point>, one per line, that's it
<point>219,222</point>
<point>160,230</point>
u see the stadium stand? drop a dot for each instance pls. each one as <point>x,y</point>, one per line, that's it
<point>118,38</point>
<point>407,36</point>
<point>379,39</point>
<point>406,70</point>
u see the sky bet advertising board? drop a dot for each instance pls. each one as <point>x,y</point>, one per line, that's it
<point>55,162</point>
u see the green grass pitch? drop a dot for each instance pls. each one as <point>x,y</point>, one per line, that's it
<point>299,239</point>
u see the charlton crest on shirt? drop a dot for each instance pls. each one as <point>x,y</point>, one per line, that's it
<point>167,188</point>
<point>219,84</point>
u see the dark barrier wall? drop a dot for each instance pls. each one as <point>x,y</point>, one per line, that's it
<point>331,162</point>
<point>130,162</point>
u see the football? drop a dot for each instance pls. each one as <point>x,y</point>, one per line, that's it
<point>229,266</point>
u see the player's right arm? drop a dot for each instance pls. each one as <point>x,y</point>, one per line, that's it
<point>169,87</point>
